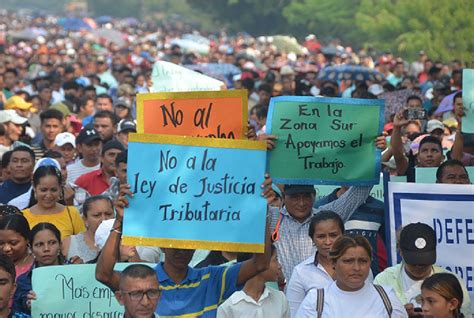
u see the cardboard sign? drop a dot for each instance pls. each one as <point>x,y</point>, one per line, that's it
<point>325,140</point>
<point>217,114</point>
<point>198,193</point>
<point>169,77</point>
<point>468,100</point>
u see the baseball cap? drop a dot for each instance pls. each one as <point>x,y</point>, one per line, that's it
<point>286,70</point>
<point>65,138</point>
<point>16,102</point>
<point>112,144</point>
<point>434,124</point>
<point>62,108</point>
<point>87,135</point>
<point>10,115</point>
<point>418,244</point>
<point>126,125</point>
<point>291,189</point>
<point>122,102</point>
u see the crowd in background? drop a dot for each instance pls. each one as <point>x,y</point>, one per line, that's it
<point>68,103</point>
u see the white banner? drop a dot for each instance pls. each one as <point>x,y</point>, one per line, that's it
<point>169,77</point>
<point>449,210</point>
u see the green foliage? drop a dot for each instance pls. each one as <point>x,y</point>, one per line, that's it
<point>255,17</point>
<point>442,28</point>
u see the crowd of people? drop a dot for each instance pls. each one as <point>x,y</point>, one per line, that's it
<point>68,103</point>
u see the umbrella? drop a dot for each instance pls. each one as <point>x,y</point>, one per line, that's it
<point>196,38</point>
<point>22,35</point>
<point>221,71</point>
<point>350,72</point>
<point>191,46</point>
<point>110,35</point>
<point>131,21</point>
<point>287,44</point>
<point>74,24</point>
<point>396,100</point>
<point>103,19</point>
<point>447,104</point>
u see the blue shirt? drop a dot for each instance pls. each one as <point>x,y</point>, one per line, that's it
<point>10,190</point>
<point>199,294</point>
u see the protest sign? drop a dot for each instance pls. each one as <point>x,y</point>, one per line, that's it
<point>324,140</point>
<point>169,77</point>
<point>468,100</point>
<point>197,193</point>
<point>428,175</point>
<point>324,190</point>
<point>445,207</point>
<point>217,114</point>
<point>72,292</point>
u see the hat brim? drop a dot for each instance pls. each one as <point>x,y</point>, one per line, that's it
<point>17,120</point>
<point>90,139</point>
<point>419,258</point>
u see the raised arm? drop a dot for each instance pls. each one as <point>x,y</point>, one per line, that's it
<point>259,262</point>
<point>397,145</point>
<point>458,145</point>
<point>110,254</point>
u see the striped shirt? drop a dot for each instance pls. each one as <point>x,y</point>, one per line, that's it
<point>199,294</point>
<point>294,244</point>
<point>77,169</point>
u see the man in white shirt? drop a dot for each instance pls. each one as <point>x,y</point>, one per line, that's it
<point>89,144</point>
<point>255,299</point>
<point>418,252</point>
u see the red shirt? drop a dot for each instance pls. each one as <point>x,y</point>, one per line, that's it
<point>93,182</point>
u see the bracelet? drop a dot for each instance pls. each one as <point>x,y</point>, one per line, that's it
<point>116,230</point>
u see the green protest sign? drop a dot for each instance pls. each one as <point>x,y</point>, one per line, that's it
<point>468,100</point>
<point>325,140</point>
<point>71,292</point>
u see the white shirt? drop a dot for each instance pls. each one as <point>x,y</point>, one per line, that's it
<point>77,169</point>
<point>305,277</point>
<point>272,303</point>
<point>363,303</point>
<point>411,288</point>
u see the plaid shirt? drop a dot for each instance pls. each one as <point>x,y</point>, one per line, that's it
<point>294,244</point>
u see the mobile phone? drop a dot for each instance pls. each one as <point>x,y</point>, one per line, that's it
<point>414,113</point>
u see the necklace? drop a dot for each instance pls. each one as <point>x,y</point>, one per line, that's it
<point>23,261</point>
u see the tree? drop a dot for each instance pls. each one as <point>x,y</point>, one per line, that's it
<point>443,29</point>
<point>326,19</point>
<point>255,17</point>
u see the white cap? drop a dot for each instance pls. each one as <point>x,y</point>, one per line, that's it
<point>10,115</point>
<point>65,138</point>
<point>375,89</point>
<point>102,233</point>
<point>433,125</point>
<point>286,70</point>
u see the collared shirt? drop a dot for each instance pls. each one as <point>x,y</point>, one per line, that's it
<point>272,303</point>
<point>307,275</point>
<point>294,244</point>
<point>93,182</point>
<point>199,294</point>
<point>393,277</point>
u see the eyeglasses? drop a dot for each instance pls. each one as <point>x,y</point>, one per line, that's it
<point>137,295</point>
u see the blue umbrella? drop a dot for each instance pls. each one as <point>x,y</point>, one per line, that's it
<point>350,72</point>
<point>103,19</point>
<point>74,24</point>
